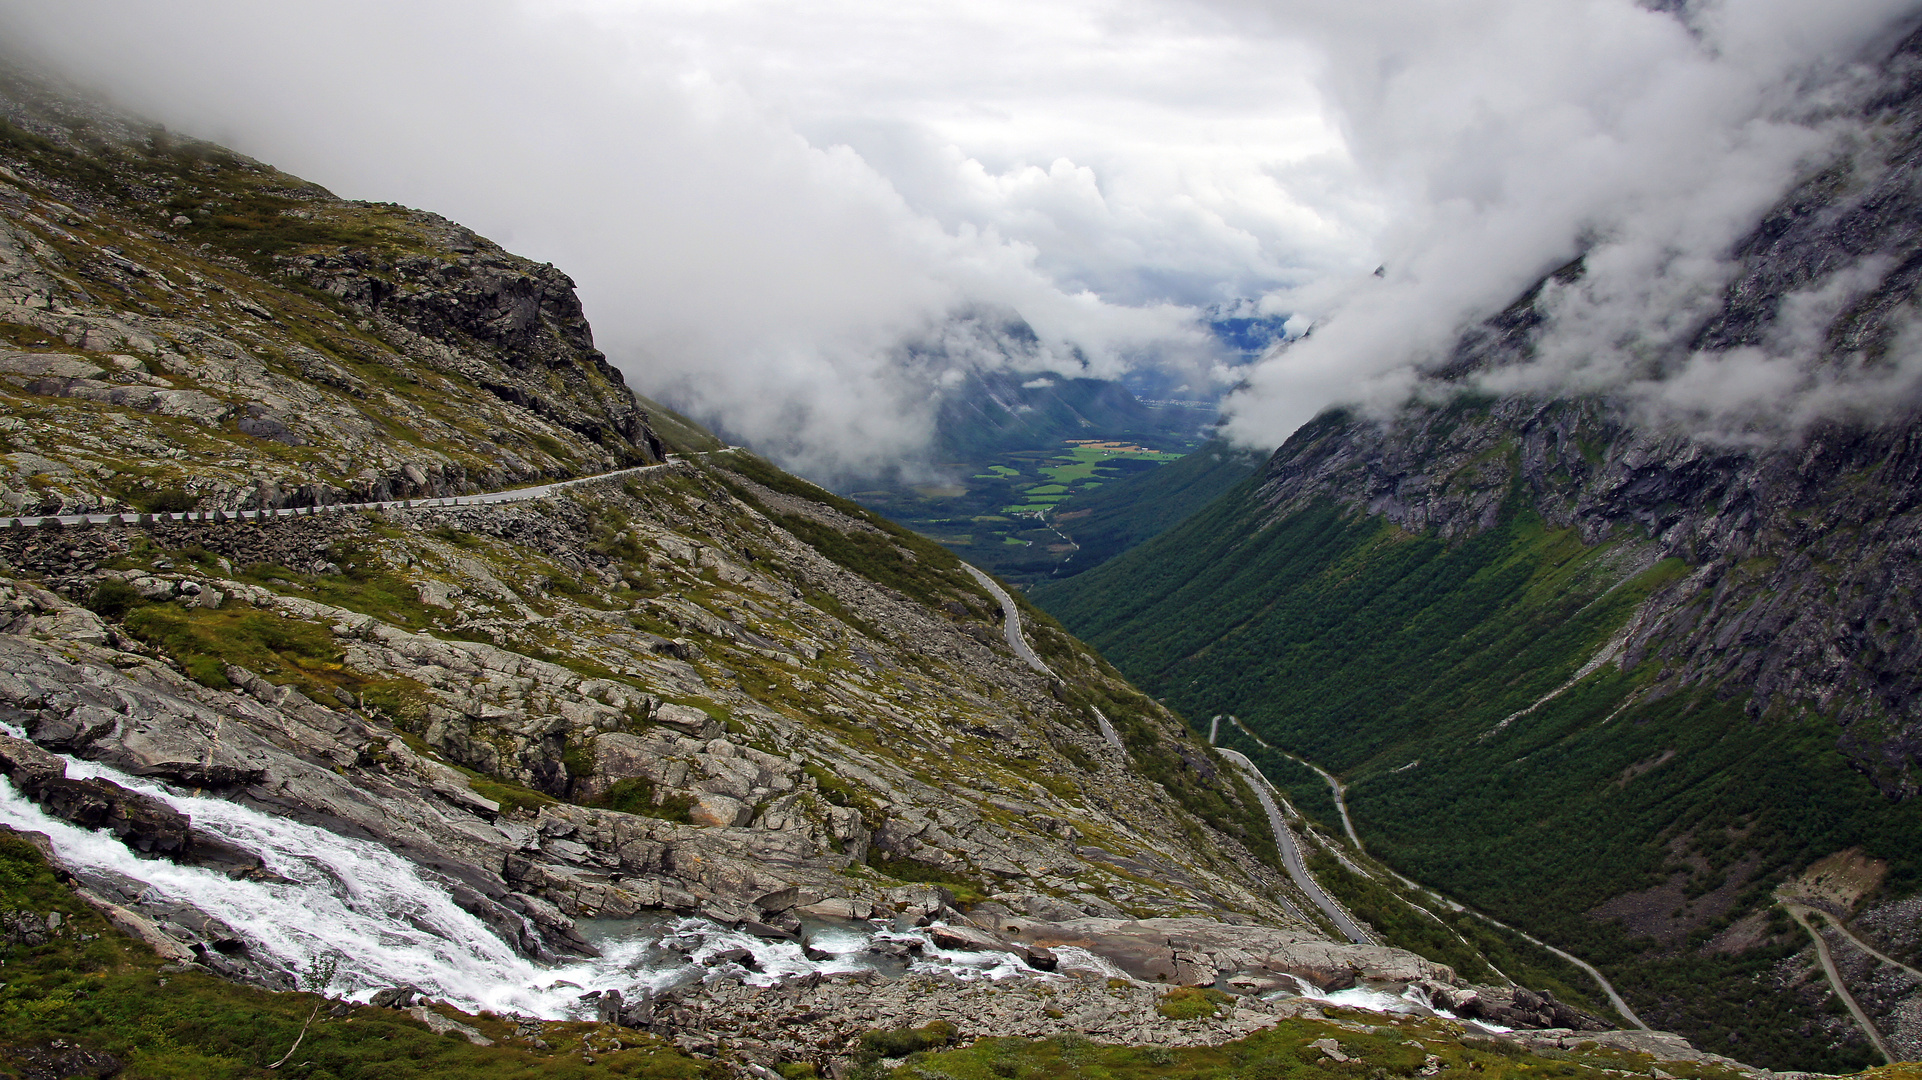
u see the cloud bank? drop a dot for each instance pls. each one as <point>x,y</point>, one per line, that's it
<point>800,221</point>
<point>770,209</point>
<point>1508,137</point>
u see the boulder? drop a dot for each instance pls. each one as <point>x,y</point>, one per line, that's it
<point>712,809</point>
<point>688,719</point>
<point>442,1025</point>
<point>971,939</point>
<point>394,997</point>
<point>143,823</point>
<point>29,767</point>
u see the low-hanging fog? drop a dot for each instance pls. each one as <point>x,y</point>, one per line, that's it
<point>786,218</point>
<point>1505,139</point>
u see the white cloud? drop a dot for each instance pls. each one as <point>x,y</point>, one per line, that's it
<point>790,216</point>
<point>1506,137</point>
<point>767,204</point>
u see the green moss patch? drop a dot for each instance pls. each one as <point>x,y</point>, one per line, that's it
<point>286,651</point>
<point>1193,1003</point>
<point>638,795</point>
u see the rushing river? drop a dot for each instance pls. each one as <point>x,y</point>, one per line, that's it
<point>384,922</point>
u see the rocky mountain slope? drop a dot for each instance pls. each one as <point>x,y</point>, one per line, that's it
<point>604,755</point>
<point>184,327</point>
<point>1504,621</point>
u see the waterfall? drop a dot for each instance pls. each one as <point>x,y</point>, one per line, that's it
<point>383,921</point>
<point>1413,1000</point>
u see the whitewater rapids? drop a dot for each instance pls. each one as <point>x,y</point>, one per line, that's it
<point>382,921</point>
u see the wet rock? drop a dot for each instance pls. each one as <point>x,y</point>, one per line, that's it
<point>639,1014</point>
<point>394,997</point>
<point>141,822</point>
<point>29,767</point>
<point>1516,1007</point>
<point>736,956</point>
<point>970,939</point>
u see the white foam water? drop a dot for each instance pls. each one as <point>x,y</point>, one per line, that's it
<point>384,922</point>
<point>1412,1001</point>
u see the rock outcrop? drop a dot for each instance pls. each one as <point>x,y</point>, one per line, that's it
<point>173,296</point>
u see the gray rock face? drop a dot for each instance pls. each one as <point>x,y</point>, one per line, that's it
<point>528,873</point>
<point>303,363</point>
<point>540,724</point>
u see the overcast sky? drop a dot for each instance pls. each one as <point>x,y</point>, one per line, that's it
<point>764,203</point>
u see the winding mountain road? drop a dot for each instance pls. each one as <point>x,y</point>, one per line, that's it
<point>1339,789</point>
<point>1335,786</point>
<point>538,491</point>
<point>1010,620</point>
<point>1291,851</point>
<point>1856,941</point>
<point>1800,914</point>
<point>1011,626</point>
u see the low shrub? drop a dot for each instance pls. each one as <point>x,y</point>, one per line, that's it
<point>112,598</point>
<point>900,1042</point>
<point>966,890</point>
<point>1192,1003</point>
<point>638,795</point>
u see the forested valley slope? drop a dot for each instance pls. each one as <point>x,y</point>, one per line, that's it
<point>1649,695</point>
